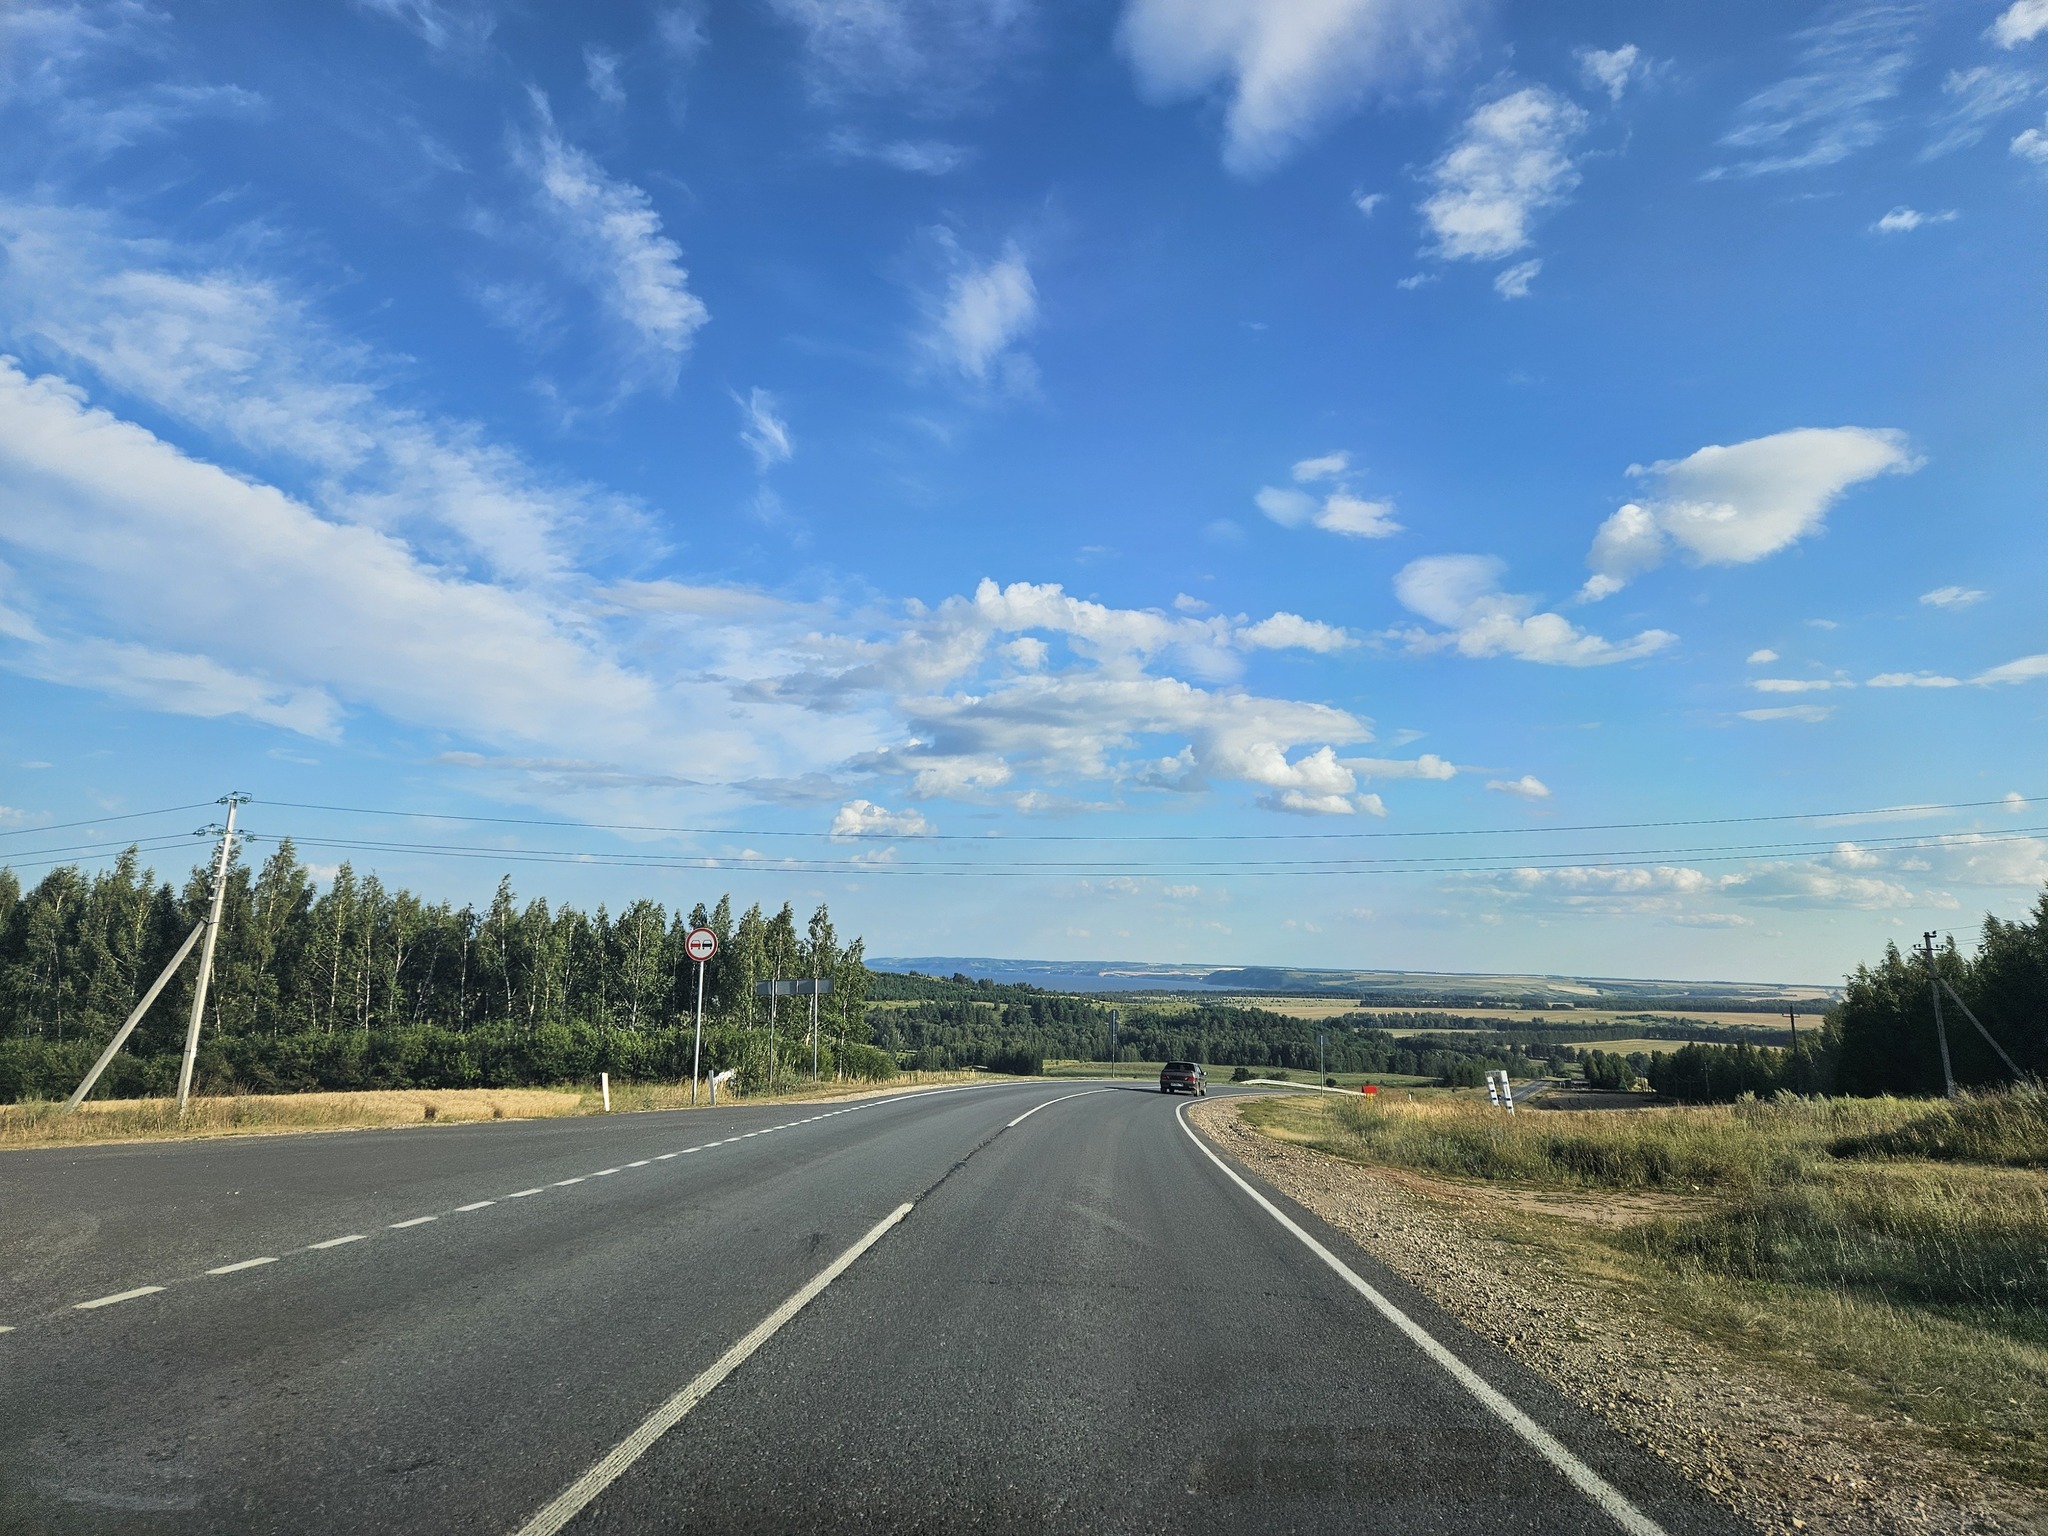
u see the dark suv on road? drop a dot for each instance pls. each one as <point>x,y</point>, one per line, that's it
<point>1182,1077</point>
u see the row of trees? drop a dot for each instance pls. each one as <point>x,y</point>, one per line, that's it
<point>298,963</point>
<point>1881,1038</point>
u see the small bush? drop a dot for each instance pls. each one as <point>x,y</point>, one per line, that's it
<point>1242,1075</point>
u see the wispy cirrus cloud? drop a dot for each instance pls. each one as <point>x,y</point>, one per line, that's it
<point>933,56</point>
<point>1850,66</point>
<point>763,431</point>
<point>1285,71</point>
<point>606,234</point>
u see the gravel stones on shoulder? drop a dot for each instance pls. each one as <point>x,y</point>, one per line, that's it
<point>1785,1460</point>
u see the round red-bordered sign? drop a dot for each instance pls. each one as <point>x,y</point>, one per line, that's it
<point>701,944</point>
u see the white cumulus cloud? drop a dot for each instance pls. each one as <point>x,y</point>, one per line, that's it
<point>986,309</point>
<point>1609,69</point>
<point>1336,510</point>
<point>1527,787</point>
<point>2023,670</point>
<point>1290,631</point>
<point>1952,597</point>
<point>1903,220</point>
<point>1737,504</point>
<point>858,819</point>
<point>1463,594</point>
<point>1285,69</point>
<point>1509,163</point>
<point>2020,22</point>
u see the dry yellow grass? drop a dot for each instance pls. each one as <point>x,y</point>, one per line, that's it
<point>45,1125</point>
<point>1890,1251</point>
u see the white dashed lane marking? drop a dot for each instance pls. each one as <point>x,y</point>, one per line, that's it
<point>232,1269</point>
<point>478,1205</point>
<point>108,1301</point>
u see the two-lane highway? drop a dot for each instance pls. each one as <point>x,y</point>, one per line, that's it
<point>730,1321</point>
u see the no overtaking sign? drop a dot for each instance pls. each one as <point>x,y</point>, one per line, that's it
<point>701,944</point>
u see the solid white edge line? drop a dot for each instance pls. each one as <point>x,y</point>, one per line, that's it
<point>476,1205</point>
<point>108,1301</point>
<point>1048,1104</point>
<point>336,1242</point>
<point>6,1327</point>
<point>229,1269</point>
<point>641,1164</point>
<point>1613,1503</point>
<point>614,1463</point>
<point>417,1221</point>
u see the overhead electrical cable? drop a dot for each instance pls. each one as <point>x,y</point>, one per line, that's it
<point>94,821</point>
<point>1424,864</point>
<point>1145,837</point>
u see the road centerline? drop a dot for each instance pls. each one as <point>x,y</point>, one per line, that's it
<point>1048,1104</point>
<point>117,1297</point>
<point>230,1269</point>
<point>573,1499</point>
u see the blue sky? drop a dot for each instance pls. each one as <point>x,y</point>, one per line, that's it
<point>1196,444</point>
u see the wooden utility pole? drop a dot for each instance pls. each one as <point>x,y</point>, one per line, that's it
<point>220,890</point>
<point>1948,1076</point>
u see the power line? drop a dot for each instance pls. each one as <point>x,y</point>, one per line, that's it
<point>59,826</point>
<point>1147,837</point>
<point>1449,864</point>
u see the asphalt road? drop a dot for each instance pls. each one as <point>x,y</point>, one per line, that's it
<point>1082,1323</point>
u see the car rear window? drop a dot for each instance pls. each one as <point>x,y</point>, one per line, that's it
<point>1180,1066</point>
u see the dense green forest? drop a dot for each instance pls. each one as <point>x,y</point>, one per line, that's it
<point>357,985</point>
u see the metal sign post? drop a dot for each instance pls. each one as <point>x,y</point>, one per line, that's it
<point>772,990</point>
<point>700,944</point>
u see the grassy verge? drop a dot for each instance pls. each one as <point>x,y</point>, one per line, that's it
<point>45,1125</point>
<point>1892,1253</point>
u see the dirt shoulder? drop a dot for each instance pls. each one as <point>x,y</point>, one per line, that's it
<point>1785,1459</point>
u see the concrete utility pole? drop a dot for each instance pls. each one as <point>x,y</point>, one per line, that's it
<point>1793,1015</point>
<point>220,890</point>
<point>1948,1076</point>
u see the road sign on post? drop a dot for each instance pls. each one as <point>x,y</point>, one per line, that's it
<point>700,944</point>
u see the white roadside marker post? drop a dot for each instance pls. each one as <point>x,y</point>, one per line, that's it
<point>604,1086</point>
<point>700,944</point>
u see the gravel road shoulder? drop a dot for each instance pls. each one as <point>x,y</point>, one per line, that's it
<point>1784,1459</point>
